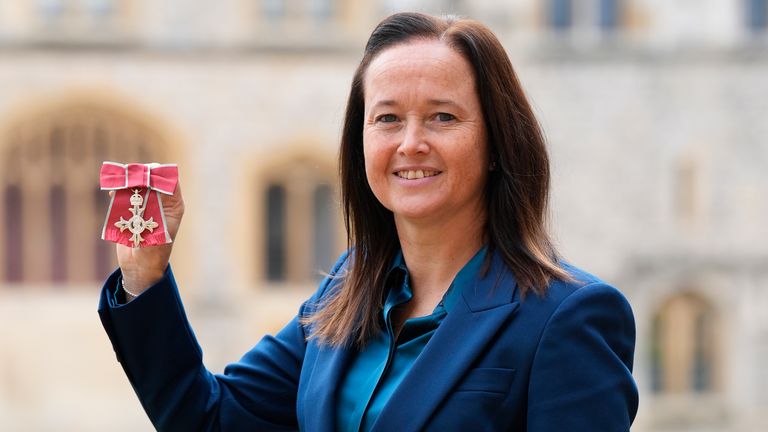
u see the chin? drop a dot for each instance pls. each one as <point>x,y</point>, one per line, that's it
<point>415,214</point>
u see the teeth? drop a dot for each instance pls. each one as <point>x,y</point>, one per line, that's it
<point>417,174</point>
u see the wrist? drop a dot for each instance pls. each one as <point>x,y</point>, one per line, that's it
<point>129,295</point>
<point>134,285</point>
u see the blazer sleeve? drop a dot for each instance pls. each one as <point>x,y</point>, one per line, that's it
<point>163,361</point>
<point>581,377</point>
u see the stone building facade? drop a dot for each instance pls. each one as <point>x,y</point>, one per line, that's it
<point>655,113</point>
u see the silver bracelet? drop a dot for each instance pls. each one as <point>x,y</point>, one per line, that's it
<point>122,281</point>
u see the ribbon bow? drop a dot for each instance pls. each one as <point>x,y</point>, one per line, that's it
<point>161,178</point>
<point>135,205</point>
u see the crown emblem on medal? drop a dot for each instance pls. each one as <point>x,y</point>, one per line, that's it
<point>136,224</point>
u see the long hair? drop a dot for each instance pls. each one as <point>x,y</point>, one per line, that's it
<point>516,196</point>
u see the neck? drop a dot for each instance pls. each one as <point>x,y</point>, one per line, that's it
<point>435,252</point>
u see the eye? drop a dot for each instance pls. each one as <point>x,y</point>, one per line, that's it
<point>445,117</point>
<point>386,118</point>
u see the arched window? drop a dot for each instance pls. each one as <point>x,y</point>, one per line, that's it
<point>301,229</point>
<point>52,208</point>
<point>684,346</point>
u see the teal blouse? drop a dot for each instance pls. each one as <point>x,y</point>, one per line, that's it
<point>377,370</point>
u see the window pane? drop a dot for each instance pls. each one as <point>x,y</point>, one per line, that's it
<point>560,14</point>
<point>276,235</point>
<point>51,9</point>
<point>609,14</point>
<point>100,8</point>
<point>58,234</point>
<point>757,15</point>
<point>323,229</point>
<point>273,8</point>
<point>13,234</point>
<point>702,369</point>
<point>321,9</point>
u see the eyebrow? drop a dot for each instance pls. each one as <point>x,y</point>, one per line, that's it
<point>442,102</point>
<point>435,102</point>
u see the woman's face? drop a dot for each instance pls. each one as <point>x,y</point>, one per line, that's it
<point>424,140</point>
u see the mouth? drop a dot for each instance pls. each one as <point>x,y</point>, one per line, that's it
<point>416,174</point>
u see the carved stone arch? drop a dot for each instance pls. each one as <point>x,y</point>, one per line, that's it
<point>51,208</point>
<point>699,287</point>
<point>303,173</point>
<point>657,282</point>
<point>684,344</point>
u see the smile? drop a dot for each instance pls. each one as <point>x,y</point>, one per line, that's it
<point>416,174</point>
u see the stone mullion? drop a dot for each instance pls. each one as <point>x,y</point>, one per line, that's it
<point>80,181</point>
<point>298,208</point>
<point>5,182</point>
<point>35,214</point>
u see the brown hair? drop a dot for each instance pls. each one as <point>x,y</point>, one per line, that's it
<point>517,190</point>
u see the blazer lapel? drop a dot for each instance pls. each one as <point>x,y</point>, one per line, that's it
<point>318,402</point>
<point>320,398</point>
<point>460,338</point>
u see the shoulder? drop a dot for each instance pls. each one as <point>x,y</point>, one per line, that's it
<point>583,357</point>
<point>582,310</point>
<point>584,289</point>
<point>585,299</point>
<point>330,283</point>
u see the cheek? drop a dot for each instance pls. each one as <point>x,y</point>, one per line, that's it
<point>475,162</point>
<point>375,158</point>
<point>373,167</point>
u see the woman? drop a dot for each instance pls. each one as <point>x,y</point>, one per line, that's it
<point>450,311</point>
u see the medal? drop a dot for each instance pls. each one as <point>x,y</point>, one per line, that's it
<point>137,188</point>
<point>136,224</point>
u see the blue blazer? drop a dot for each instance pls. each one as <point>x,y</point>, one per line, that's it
<point>562,362</point>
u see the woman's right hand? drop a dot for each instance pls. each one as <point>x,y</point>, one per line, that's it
<point>143,267</point>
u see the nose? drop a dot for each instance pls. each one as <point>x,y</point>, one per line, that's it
<point>414,140</point>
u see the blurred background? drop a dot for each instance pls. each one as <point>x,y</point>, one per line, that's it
<point>656,114</point>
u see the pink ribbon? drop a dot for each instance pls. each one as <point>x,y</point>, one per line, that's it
<point>162,178</point>
<point>148,180</point>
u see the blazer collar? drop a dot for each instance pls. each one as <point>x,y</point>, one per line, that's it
<point>484,306</point>
<point>461,337</point>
